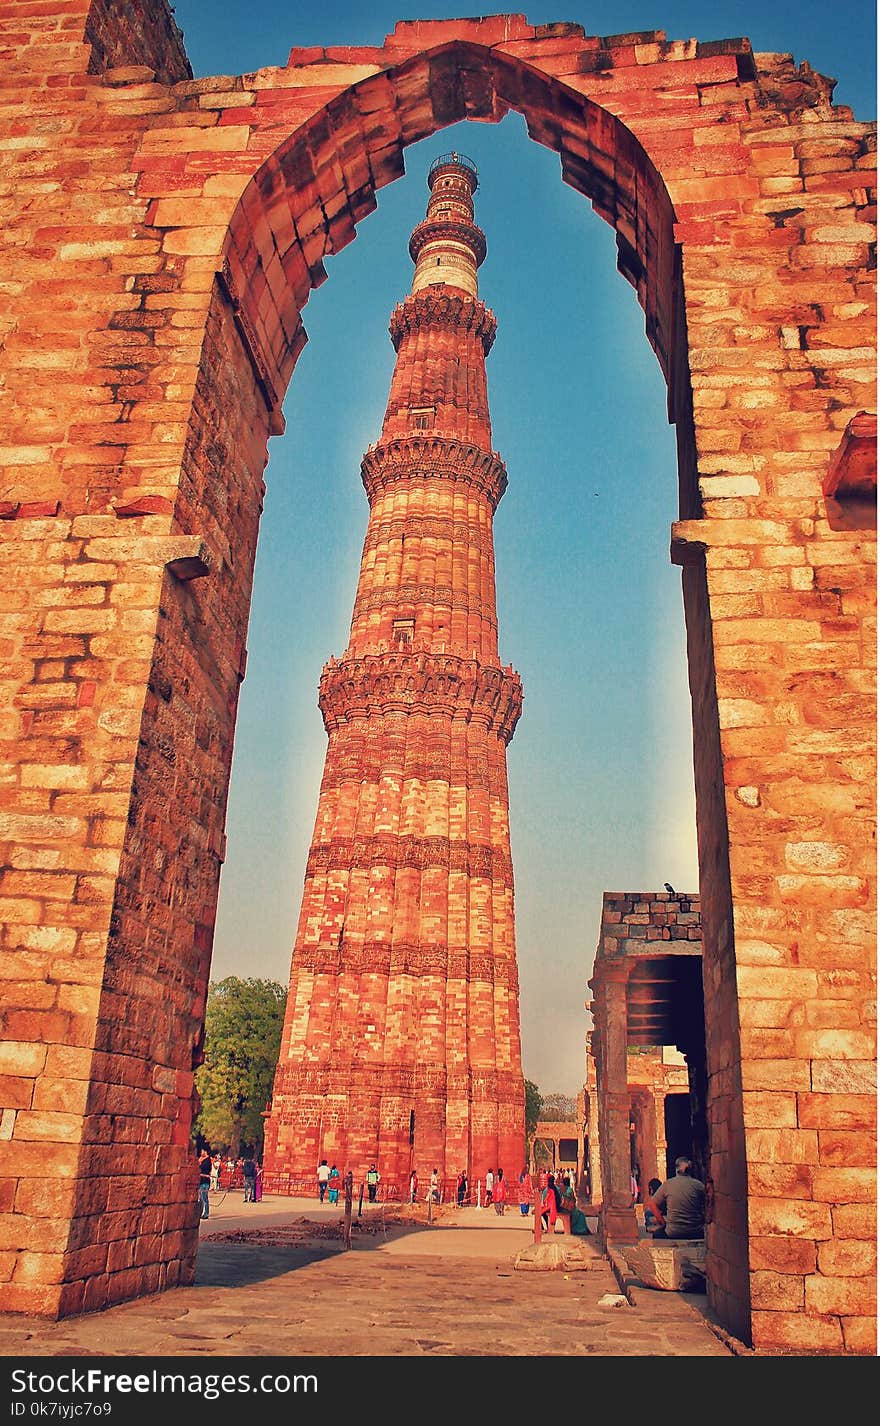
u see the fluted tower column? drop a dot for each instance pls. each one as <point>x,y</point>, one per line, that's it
<point>401,1041</point>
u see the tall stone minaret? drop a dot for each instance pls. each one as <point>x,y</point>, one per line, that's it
<point>401,1042</point>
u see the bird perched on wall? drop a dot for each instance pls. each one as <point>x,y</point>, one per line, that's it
<point>671,889</point>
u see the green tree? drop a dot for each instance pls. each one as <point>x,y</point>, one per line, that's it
<point>243,1025</point>
<point>534,1104</point>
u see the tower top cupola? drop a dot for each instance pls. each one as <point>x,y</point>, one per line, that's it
<point>447,247</point>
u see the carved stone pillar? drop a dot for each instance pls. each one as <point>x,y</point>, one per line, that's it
<point>618,1221</point>
<point>660,1138</point>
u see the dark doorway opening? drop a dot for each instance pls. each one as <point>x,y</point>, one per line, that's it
<point>677,1119</point>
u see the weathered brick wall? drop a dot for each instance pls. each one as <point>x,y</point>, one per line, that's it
<point>137,32</point>
<point>121,682</point>
<point>731,169</point>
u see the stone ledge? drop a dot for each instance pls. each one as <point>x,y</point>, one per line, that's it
<point>676,1265</point>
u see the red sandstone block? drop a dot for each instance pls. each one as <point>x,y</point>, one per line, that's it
<point>778,1292</point>
<point>776,1074</point>
<point>849,1296</point>
<point>15,1093</point>
<point>836,1111</point>
<point>783,1254</point>
<point>21,1057</point>
<point>46,1235</point>
<point>796,1331</point>
<point>30,995</point>
<point>854,1220</point>
<point>848,1258</point>
<point>770,1217</point>
<point>490,30</point>
<point>120,1256</point>
<point>51,1125</point>
<point>782,1146</point>
<point>844,1185</point>
<point>860,1334</point>
<point>33,1299</point>
<point>781,1180</point>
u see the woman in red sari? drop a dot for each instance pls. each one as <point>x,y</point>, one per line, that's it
<point>499,1192</point>
<point>550,1205</point>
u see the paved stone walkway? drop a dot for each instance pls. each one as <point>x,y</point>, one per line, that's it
<point>449,1289</point>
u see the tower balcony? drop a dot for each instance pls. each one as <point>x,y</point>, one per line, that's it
<point>435,684</point>
<point>456,165</point>
<point>445,231</point>
<point>442,308</point>
<point>434,457</point>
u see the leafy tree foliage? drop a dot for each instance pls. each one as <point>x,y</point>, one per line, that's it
<point>559,1107</point>
<point>243,1025</point>
<point>534,1103</point>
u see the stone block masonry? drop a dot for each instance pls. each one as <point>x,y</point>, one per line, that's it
<point>145,352</point>
<point>401,1042</point>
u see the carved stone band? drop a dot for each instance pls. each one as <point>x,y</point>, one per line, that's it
<point>416,457</point>
<point>417,853</point>
<point>439,307</point>
<point>389,1080</point>
<point>406,958</point>
<point>448,231</point>
<point>420,682</point>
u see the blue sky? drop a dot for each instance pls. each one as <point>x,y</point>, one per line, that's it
<point>601,779</point>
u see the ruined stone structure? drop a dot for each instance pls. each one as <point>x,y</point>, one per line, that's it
<point>559,1145</point>
<point>658,1092</point>
<point>647,988</point>
<point>659,1111</point>
<point>161,237</point>
<point>401,1040</point>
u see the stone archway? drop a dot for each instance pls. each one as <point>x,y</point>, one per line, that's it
<point>140,417</point>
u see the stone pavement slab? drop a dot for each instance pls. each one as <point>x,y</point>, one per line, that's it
<point>449,1289</point>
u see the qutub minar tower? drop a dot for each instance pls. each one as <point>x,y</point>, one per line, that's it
<point>401,1041</point>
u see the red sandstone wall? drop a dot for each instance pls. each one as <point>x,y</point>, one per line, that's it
<point>123,192</point>
<point>136,32</point>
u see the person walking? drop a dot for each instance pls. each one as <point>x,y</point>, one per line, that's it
<point>461,1189</point>
<point>434,1187</point>
<point>499,1193</point>
<point>205,1168</point>
<point>413,1186</point>
<point>323,1177</point>
<point>249,1174</point>
<point>333,1184</point>
<point>526,1192</point>
<point>373,1178</point>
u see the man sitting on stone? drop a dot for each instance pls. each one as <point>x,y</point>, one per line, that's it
<point>679,1205</point>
